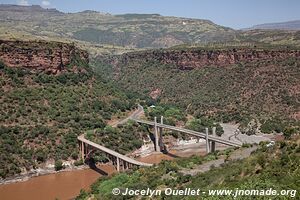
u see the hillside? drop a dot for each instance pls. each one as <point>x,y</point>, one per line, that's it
<point>275,167</point>
<point>289,25</point>
<point>41,113</point>
<point>234,84</point>
<point>103,33</point>
<point>129,30</point>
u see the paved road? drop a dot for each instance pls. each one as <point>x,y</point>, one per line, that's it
<point>136,114</point>
<point>236,155</point>
<point>230,129</point>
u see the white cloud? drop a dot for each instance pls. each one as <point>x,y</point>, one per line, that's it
<point>46,3</point>
<point>23,3</point>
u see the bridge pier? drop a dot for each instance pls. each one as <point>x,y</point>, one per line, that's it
<point>118,164</point>
<point>86,149</point>
<point>79,145</point>
<point>128,165</point>
<point>82,151</point>
<point>157,149</point>
<point>161,144</point>
<point>207,141</point>
<point>124,165</point>
<point>213,143</point>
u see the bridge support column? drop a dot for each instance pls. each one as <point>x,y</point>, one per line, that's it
<point>86,150</point>
<point>118,164</point>
<point>156,135</point>
<point>124,165</point>
<point>79,145</point>
<point>207,141</point>
<point>161,144</point>
<point>82,151</point>
<point>213,143</point>
<point>113,160</point>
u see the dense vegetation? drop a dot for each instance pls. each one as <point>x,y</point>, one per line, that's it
<point>171,114</point>
<point>124,138</point>
<point>175,116</point>
<point>42,115</point>
<point>275,167</point>
<point>264,90</point>
<point>201,124</point>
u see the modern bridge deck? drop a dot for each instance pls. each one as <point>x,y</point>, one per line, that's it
<point>191,132</point>
<point>111,152</point>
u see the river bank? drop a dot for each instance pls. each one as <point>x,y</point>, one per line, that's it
<point>67,183</point>
<point>39,172</point>
<point>180,149</point>
<point>63,185</point>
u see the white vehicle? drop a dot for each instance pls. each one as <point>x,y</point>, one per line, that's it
<point>272,143</point>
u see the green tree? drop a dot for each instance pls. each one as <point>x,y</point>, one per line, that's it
<point>58,165</point>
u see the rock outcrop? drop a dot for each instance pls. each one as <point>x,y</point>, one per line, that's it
<point>196,58</point>
<point>50,57</point>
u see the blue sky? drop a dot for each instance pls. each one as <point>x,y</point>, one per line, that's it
<point>232,13</point>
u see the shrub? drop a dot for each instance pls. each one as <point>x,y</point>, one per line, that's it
<point>2,65</point>
<point>58,165</point>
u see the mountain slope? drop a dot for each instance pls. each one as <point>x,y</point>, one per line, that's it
<point>103,33</point>
<point>42,114</point>
<point>275,168</point>
<point>289,25</point>
<point>228,84</point>
<point>130,30</point>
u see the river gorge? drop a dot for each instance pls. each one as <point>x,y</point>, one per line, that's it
<point>67,184</point>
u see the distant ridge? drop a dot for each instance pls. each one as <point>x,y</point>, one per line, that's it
<point>125,30</point>
<point>33,8</point>
<point>130,31</point>
<point>289,25</point>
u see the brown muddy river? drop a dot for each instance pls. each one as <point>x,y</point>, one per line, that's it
<point>64,185</point>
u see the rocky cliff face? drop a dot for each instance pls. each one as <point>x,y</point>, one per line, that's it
<point>50,57</point>
<point>190,59</point>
